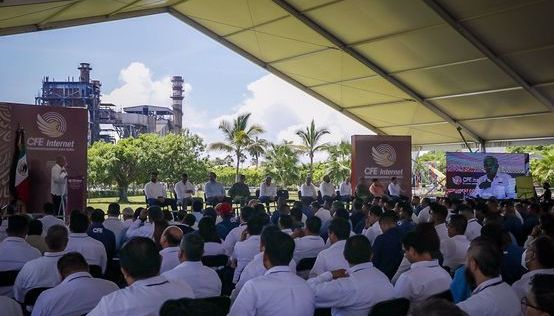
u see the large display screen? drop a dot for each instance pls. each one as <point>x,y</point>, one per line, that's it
<point>485,175</point>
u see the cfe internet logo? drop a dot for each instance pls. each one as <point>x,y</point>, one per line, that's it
<point>383,155</point>
<point>53,125</point>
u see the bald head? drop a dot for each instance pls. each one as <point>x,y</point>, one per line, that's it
<point>171,237</point>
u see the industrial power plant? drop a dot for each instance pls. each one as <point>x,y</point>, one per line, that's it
<point>104,119</point>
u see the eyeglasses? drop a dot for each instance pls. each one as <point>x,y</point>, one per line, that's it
<point>525,304</point>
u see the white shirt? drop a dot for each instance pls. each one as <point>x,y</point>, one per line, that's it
<point>307,247</point>
<point>473,229</point>
<point>116,226</point>
<point>523,285</point>
<point>14,253</point>
<point>492,298</point>
<point>213,248</point>
<point>204,281</point>
<point>170,258</point>
<point>372,232</point>
<point>394,189</point>
<point>182,188</point>
<point>244,252</point>
<point>308,190</point>
<point>39,272</point>
<point>254,269</point>
<point>502,187</point>
<point>330,259</point>
<point>232,238</point>
<point>442,231</point>
<point>454,251</point>
<point>424,279</point>
<point>10,307</point>
<point>49,221</point>
<point>268,190</point>
<point>424,216</point>
<point>92,249</point>
<point>58,180</point>
<point>345,189</point>
<point>354,295</point>
<point>142,298</point>
<point>140,228</point>
<point>76,295</point>
<point>327,189</point>
<point>153,190</point>
<point>278,292</point>
<point>324,215</point>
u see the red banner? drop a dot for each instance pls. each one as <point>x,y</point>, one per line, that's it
<point>50,132</point>
<point>382,157</point>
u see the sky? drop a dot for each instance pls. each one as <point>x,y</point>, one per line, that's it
<point>135,58</point>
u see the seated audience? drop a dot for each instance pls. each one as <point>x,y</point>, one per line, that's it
<point>286,224</point>
<point>438,218</point>
<point>49,219</point>
<point>332,258</point>
<point>245,250</point>
<point>204,281</point>
<point>114,224</point>
<point>394,188</point>
<point>171,237</point>
<point>540,299</point>
<point>425,277</point>
<point>424,215</point>
<point>345,190</point>
<point>372,228</point>
<point>538,258</point>
<point>10,307</point>
<point>77,294</point>
<point>196,208</point>
<point>147,290</point>
<point>14,250</point>
<point>268,191</point>
<point>97,231</point>
<point>184,190</point>
<point>93,250</point>
<point>308,191</point>
<point>213,190</point>
<point>308,242</point>
<point>491,296</point>
<point>279,291</point>
<point>405,224</point>
<point>435,307</point>
<point>327,189</point>
<point>387,247</point>
<point>35,236</point>
<point>324,212</point>
<point>473,229</point>
<point>156,194</point>
<point>454,248</point>
<point>235,234</point>
<point>353,291</point>
<point>228,222</point>
<point>239,191</point>
<point>141,227</point>
<point>358,213</point>
<point>41,272</point>
<point>187,225</point>
<point>212,243</point>
<point>377,189</point>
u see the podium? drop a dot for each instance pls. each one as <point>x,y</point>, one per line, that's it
<point>75,195</point>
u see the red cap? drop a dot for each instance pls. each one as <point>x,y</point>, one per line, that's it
<point>224,209</point>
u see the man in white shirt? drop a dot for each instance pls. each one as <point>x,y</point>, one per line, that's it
<point>356,290</point>
<point>204,281</point>
<point>147,290</point>
<point>494,183</point>
<point>39,272</point>
<point>143,228</point>
<point>372,228</point>
<point>170,240</point>
<point>345,190</point>
<point>245,250</point>
<point>78,292</point>
<point>425,277</point>
<point>491,296</point>
<point>279,291</point>
<point>308,242</point>
<point>327,189</point>
<point>235,234</point>
<point>268,191</point>
<point>454,248</point>
<point>156,194</point>
<point>14,250</point>
<point>332,258</point>
<point>114,224</point>
<point>49,220</point>
<point>324,213</point>
<point>92,249</point>
<point>10,307</point>
<point>394,187</point>
<point>538,258</point>
<point>473,229</point>
<point>424,215</point>
<point>438,218</point>
<point>308,191</point>
<point>184,190</point>
<point>58,183</point>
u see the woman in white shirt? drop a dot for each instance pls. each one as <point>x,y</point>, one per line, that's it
<point>212,243</point>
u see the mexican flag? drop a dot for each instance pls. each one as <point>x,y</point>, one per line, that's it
<point>19,176</point>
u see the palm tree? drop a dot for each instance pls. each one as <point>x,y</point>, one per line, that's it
<point>257,148</point>
<point>339,162</point>
<point>311,137</point>
<point>281,163</point>
<point>238,137</point>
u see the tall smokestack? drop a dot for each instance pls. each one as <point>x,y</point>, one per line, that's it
<point>85,69</point>
<point>177,97</point>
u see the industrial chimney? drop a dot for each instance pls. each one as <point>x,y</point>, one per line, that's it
<point>85,69</point>
<point>177,97</point>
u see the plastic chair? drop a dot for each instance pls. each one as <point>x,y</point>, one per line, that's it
<point>7,278</point>
<point>395,307</point>
<point>215,261</point>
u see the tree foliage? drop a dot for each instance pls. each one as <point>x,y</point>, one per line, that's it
<point>282,164</point>
<point>435,158</point>
<point>311,141</point>
<point>541,161</point>
<point>339,162</point>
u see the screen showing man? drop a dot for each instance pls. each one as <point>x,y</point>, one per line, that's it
<point>494,183</point>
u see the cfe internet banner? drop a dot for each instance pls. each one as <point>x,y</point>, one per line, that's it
<point>382,157</point>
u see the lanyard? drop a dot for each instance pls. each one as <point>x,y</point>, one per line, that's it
<point>490,285</point>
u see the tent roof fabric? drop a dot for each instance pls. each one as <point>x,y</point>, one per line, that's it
<point>439,70</point>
